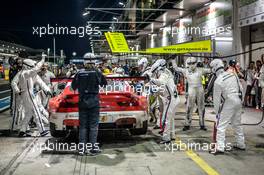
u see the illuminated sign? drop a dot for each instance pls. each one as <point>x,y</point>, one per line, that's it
<point>117,42</point>
<point>191,47</point>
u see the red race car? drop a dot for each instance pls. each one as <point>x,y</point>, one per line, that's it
<point>120,107</point>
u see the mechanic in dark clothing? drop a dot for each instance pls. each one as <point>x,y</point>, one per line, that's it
<point>87,82</point>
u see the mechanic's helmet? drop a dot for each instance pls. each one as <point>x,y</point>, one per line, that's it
<point>191,63</point>
<point>232,63</point>
<point>158,65</point>
<point>29,63</point>
<point>19,62</point>
<point>120,70</point>
<point>217,65</point>
<point>12,61</point>
<point>89,55</point>
<point>143,63</point>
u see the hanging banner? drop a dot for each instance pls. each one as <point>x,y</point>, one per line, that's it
<point>191,47</point>
<point>117,42</point>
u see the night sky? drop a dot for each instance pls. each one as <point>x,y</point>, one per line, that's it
<point>17,17</point>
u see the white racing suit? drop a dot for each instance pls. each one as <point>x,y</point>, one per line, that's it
<point>228,105</point>
<point>169,97</point>
<point>195,92</point>
<point>261,83</point>
<point>40,96</point>
<point>23,85</point>
<point>152,98</point>
<point>46,77</point>
<point>17,107</point>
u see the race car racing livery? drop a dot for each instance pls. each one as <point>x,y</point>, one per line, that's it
<point>120,108</point>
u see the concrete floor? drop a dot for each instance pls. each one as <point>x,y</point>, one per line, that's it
<point>136,155</point>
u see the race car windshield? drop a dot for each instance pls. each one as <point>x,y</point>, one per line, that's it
<point>113,85</point>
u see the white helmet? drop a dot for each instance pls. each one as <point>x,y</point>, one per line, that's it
<point>217,65</point>
<point>29,63</point>
<point>158,65</point>
<point>191,63</point>
<point>120,70</point>
<point>143,63</point>
<point>89,55</point>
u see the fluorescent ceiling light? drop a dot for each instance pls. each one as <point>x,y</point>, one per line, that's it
<point>121,4</point>
<point>224,38</point>
<point>86,13</point>
<point>206,4</point>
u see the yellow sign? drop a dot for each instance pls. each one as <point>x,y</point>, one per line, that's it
<point>191,47</point>
<point>117,42</point>
<point>6,73</point>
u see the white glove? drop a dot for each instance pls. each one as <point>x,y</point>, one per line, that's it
<point>43,55</point>
<point>48,93</point>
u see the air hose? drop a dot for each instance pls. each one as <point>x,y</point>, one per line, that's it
<point>227,56</point>
<point>213,77</point>
<point>255,124</point>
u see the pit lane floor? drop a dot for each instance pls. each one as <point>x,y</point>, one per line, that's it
<point>136,155</point>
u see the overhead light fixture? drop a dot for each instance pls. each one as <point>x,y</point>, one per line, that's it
<point>86,13</point>
<point>115,18</point>
<point>207,4</point>
<point>133,9</point>
<point>186,20</point>
<point>223,38</point>
<point>121,4</point>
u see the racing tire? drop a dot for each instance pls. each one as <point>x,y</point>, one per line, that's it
<point>140,131</point>
<point>56,133</point>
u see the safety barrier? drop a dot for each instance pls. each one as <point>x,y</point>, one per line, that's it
<point>4,96</point>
